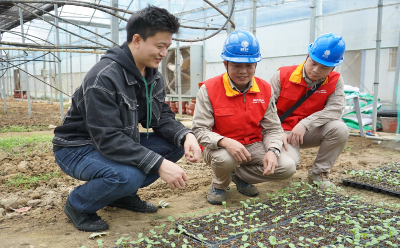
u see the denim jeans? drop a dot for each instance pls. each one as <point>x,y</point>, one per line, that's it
<point>108,180</point>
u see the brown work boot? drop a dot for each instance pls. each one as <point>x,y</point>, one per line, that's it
<point>216,196</point>
<point>243,187</point>
<point>322,180</point>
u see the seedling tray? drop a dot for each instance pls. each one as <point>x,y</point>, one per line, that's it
<point>312,215</point>
<point>309,205</point>
<point>165,240</point>
<point>373,188</point>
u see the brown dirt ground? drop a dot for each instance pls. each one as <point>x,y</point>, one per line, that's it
<point>45,224</point>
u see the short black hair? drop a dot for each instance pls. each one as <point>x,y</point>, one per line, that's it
<point>150,20</point>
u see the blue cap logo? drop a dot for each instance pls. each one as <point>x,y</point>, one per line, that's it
<point>244,45</point>
<point>326,54</point>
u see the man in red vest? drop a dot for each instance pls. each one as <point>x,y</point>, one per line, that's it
<point>236,122</point>
<point>316,121</point>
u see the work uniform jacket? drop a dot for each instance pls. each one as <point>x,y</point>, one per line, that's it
<point>325,105</point>
<point>109,105</point>
<point>248,116</point>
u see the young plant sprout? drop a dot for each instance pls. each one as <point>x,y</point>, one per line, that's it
<point>221,239</point>
<point>202,238</point>
<point>170,218</point>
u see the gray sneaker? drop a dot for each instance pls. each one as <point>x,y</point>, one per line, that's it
<point>243,187</point>
<point>216,196</point>
<point>322,180</point>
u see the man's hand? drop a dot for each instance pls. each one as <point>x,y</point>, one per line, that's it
<point>237,150</point>
<point>191,145</point>
<point>270,162</point>
<point>297,134</point>
<point>172,174</point>
<point>285,141</point>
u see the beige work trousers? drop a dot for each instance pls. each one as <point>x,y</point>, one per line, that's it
<point>222,164</point>
<point>331,139</point>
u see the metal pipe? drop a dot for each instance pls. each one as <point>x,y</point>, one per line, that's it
<point>44,77</point>
<point>97,39</point>
<point>313,7</point>
<point>34,81</point>
<point>70,65</point>
<point>232,24</point>
<point>51,82</point>
<point>4,85</point>
<point>396,76</point>
<point>51,47</point>
<point>79,26</point>
<point>254,17</point>
<point>21,20</point>
<point>114,25</point>
<point>178,75</point>
<point>377,62</point>
<point>71,2</point>
<point>7,83</point>
<point>80,64</point>
<point>50,50</point>
<point>362,76</point>
<point>231,27</point>
<point>60,84</point>
<point>55,24</point>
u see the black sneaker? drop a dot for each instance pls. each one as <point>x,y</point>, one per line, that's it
<point>85,222</point>
<point>134,203</point>
<point>243,187</point>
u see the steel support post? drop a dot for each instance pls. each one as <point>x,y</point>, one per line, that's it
<point>377,62</point>
<point>114,24</point>
<point>34,80</point>
<point>254,17</point>
<point>396,76</point>
<point>313,16</point>
<point>178,75</point>
<point>230,29</point>
<point>4,94</point>
<point>21,21</point>
<point>60,84</point>
<point>70,65</point>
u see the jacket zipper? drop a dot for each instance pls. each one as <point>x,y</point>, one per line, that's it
<point>245,115</point>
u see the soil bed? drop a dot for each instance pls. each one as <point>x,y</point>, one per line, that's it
<point>45,224</point>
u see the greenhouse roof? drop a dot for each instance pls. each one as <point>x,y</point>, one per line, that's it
<point>9,14</point>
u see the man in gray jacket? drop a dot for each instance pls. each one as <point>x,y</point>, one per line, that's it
<point>99,140</point>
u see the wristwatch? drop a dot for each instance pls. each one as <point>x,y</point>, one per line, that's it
<point>276,151</point>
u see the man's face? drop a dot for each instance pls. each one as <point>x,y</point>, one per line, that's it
<point>315,70</point>
<point>152,50</point>
<point>240,73</point>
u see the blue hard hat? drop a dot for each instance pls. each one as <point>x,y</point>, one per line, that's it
<point>328,50</point>
<point>241,47</point>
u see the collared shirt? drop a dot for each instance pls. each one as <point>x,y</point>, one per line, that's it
<point>203,121</point>
<point>333,108</point>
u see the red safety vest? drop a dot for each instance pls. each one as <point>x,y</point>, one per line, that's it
<point>293,87</point>
<point>237,115</point>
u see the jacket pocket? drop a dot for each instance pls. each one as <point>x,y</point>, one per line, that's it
<point>289,95</point>
<point>225,119</point>
<point>129,115</point>
<point>224,112</point>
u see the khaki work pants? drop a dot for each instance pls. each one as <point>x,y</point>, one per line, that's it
<point>331,139</point>
<point>222,164</point>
